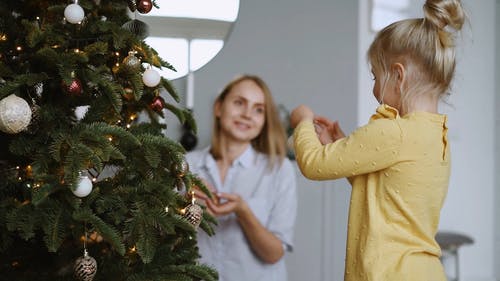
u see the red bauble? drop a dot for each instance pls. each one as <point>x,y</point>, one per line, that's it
<point>144,6</point>
<point>158,104</point>
<point>74,88</point>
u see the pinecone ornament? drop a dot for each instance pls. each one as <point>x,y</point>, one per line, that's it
<point>85,267</point>
<point>193,213</point>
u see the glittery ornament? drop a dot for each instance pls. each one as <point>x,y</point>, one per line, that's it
<point>132,5</point>
<point>131,63</point>
<point>193,213</point>
<point>85,267</point>
<point>137,27</point>
<point>74,88</point>
<point>144,6</point>
<point>180,169</point>
<point>158,104</point>
<point>39,89</point>
<point>15,114</point>
<point>128,93</point>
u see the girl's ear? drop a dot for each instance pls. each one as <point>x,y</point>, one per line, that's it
<point>400,72</point>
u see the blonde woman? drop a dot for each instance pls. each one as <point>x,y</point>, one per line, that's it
<point>254,183</point>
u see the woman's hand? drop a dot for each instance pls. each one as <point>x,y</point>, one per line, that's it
<point>232,203</point>
<point>328,131</point>
<point>299,114</point>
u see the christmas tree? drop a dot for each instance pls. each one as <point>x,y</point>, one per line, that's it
<point>87,190</point>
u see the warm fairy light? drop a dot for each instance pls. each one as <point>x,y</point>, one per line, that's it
<point>133,249</point>
<point>182,211</point>
<point>128,126</point>
<point>132,117</point>
<point>55,46</point>
<point>117,54</point>
<point>37,185</point>
<point>19,48</point>
<point>17,167</point>
<point>19,178</point>
<point>77,51</point>
<point>28,185</point>
<point>117,64</point>
<point>166,209</point>
<point>94,179</point>
<point>110,138</point>
<point>3,37</point>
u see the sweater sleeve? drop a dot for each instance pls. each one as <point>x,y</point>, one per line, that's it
<point>370,148</point>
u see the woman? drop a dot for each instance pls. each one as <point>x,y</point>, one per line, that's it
<point>254,184</point>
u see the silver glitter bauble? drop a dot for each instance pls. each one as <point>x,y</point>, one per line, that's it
<point>193,213</point>
<point>137,27</point>
<point>131,63</point>
<point>85,268</point>
<point>180,169</point>
<point>15,114</point>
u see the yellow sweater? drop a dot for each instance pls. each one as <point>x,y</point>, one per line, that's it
<point>399,169</point>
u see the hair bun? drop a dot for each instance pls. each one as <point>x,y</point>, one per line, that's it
<point>445,14</point>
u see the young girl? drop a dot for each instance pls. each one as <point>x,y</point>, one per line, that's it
<point>399,163</point>
<point>246,168</point>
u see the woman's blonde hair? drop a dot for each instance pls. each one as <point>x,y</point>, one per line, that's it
<point>425,47</point>
<point>272,138</point>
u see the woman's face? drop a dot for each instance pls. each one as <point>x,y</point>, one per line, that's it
<point>242,112</point>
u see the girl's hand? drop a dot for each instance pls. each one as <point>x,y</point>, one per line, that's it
<point>299,114</point>
<point>328,131</point>
<point>232,203</point>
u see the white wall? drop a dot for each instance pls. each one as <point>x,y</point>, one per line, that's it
<point>314,52</point>
<point>497,143</point>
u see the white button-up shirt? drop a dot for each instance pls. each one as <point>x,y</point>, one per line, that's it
<point>272,197</point>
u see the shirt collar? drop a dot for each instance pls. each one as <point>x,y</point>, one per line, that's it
<point>245,159</point>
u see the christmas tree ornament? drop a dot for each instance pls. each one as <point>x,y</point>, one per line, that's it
<point>137,27</point>
<point>39,89</point>
<point>180,169</point>
<point>85,267</point>
<point>193,212</point>
<point>144,6</point>
<point>15,114</point>
<point>128,93</point>
<point>74,13</point>
<point>151,77</point>
<point>74,88</point>
<point>132,5</point>
<point>158,104</point>
<point>84,186</point>
<point>131,63</point>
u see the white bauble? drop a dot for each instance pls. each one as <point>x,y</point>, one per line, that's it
<point>84,187</point>
<point>15,114</point>
<point>74,13</point>
<point>151,77</point>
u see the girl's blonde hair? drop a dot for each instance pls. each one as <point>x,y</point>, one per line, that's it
<point>272,138</point>
<point>425,47</point>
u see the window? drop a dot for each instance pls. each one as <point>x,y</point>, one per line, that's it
<point>189,33</point>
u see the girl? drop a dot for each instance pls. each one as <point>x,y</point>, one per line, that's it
<point>399,163</point>
<point>255,185</point>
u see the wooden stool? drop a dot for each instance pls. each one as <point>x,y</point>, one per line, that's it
<point>449,243</point>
